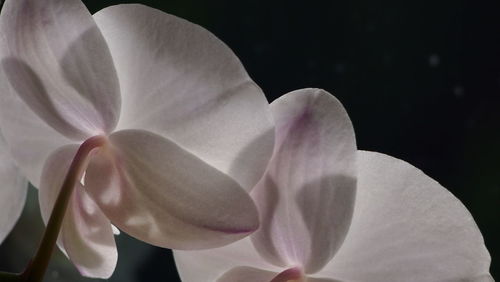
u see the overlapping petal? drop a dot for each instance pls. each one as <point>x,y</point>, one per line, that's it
<point>209,265</point>
<point>59,73</point>
<point>58,77</point>
<point>407,227</point>
<point>86,235</point>
<point>235,262</point>
<point>159,193</point>
<point>180,81</point>
<point>250,274</point>
<point>247,274</point>
<point>307,195</point>
<point>30,152</point>
<point>12,192</point>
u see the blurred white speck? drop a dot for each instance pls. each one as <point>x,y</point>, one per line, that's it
<point>54,274</point>
<point>434,60</point>
<point>459,91</point>
<point>116,231</point>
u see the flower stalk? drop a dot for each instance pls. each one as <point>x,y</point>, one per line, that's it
<point>35,270</point>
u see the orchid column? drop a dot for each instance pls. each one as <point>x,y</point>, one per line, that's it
<point>185,131</point>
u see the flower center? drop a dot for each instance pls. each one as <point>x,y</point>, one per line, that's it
<point>293,274</point>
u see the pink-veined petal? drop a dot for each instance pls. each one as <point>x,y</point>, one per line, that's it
<point>54,59</point>
<point>86,236</point>
<point>12,192</point>
<point>208,265</point>
<point>179,81</point>
<point>159,193</point>
<point>407,227</point>
<point>307,195</point>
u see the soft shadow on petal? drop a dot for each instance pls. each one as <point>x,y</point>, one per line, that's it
<point>208,265</point>
<point>267,203</point>
<point>309,187</point>
<point>24,80</point>
<point>12,192</point>
<point>30,139</point>
<point>55,45</point>
<point>407,227</point>
<point>86,236</point>
<point>244,164</point>
<point>179,81</point>
<point>92,75</point>
<point>327,206</point>
<point>159,193</point>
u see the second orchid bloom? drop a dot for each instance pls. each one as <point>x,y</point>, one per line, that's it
<point>331,213</point>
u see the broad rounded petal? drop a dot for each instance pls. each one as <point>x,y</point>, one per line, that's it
<point>307,195</point>
<point>12,192</point>
<point>209,265</point>
<point>86,235</point>
<point>56,61</point>
<point>407,227</point>
<point>179,81</point>
<point>161,194</point>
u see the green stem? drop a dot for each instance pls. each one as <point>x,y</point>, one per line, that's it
<point>10,277</point>
<point>38,265</point>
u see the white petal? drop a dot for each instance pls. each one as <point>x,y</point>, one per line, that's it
<point>86,236</point>
<point>159,193</point>
<point>179,81</point>
<point>12,192</point>
<point>30,140</point>
<point>250,274</point>
<point>247,274</point>
<point>407,227</point>
<point>208,265</point>
<point>54,59</point>
<point>307,195</point>
<point>312,279</point>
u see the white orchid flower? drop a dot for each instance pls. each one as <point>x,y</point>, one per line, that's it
<point>185,131</point>
<point>331,213</point>
<point>12,193</point>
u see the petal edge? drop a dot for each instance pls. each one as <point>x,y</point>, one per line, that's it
<point>406,226</point>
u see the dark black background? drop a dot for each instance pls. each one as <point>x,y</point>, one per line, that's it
<point>420,80</point>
